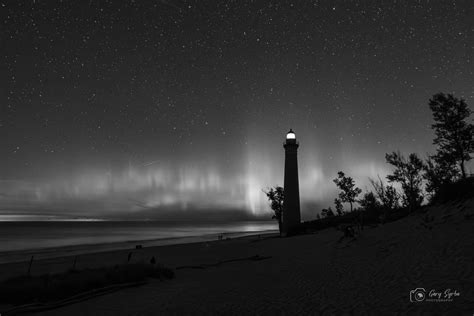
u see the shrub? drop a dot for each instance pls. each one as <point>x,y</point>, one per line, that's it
<point>461,189</point>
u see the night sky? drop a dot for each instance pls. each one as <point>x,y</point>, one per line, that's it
<point>141,108</point>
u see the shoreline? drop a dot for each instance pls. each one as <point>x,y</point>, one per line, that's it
<point>46,256</point>
<point>77,246</point>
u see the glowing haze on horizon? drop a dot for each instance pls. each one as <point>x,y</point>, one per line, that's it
<point>155,185</point>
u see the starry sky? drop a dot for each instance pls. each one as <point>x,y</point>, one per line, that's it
<point>145,109</point>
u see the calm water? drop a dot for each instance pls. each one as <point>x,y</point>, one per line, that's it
<point>21,239</point>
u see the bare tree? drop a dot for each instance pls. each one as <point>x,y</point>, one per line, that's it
<point>386,194</point>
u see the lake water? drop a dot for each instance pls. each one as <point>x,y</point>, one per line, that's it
<point>20,240</point>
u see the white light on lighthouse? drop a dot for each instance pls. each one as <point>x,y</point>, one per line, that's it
<point>290,135</point>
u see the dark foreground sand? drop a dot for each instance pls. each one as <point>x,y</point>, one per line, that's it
<point>306,275</point>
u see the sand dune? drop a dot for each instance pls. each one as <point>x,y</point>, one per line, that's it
<point>311,274</point>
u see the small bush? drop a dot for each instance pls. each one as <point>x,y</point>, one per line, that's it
<point>461,189</point>
<point>371,217</point>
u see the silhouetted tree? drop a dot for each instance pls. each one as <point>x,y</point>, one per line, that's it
<point>339,207</point>
<point>318,216</point>
<point>439,173</point>
<point>454,136</point>
<point>386,194</point>
<point>408,172</point>
<point>349,191</point>
<point>327,212</point>
<point>369,202</point>
<point>276,197</point>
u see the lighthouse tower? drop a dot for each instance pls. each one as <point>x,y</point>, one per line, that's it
<point>291,203</point>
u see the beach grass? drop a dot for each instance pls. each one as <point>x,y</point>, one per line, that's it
<point>53,287</point>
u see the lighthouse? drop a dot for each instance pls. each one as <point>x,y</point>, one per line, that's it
<point>291,202</point>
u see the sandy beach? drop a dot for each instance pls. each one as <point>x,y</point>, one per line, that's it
<point>309,274</point>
